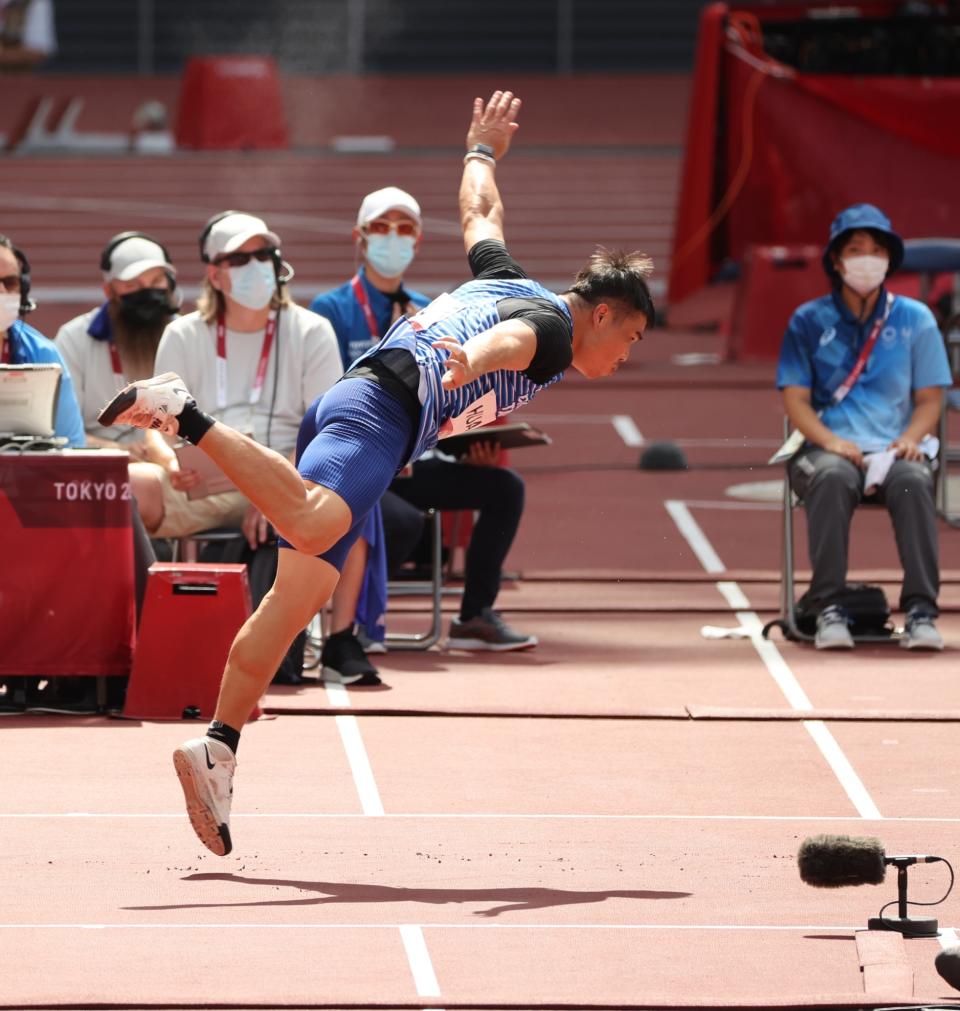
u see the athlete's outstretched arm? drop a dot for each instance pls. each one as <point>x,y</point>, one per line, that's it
<point>481,209</point>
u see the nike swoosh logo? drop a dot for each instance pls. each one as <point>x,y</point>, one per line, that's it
<point>210,765</point>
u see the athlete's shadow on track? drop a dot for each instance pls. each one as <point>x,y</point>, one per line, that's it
<point>510,899</point>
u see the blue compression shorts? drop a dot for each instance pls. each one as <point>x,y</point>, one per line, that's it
<point>353,440</point>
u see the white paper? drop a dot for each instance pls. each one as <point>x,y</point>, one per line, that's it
<point>877,466</point>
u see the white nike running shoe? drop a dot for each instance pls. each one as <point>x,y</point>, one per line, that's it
<point>148,403</point>
<point>206,767</point>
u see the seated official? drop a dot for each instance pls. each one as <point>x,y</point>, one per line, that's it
<point>22,345</point>
<point>891,405</point>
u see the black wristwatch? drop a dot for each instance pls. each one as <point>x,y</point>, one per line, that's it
<point>485,149</point>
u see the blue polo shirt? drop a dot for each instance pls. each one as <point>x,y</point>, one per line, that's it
<point>30,347</point>
<point>340,306</point>
<point>821,345</point>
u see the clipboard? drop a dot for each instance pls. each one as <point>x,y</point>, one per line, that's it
<point>212,481</point>
<point>513,436</point>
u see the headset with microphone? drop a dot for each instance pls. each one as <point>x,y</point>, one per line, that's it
<point>284,271</point>
<point>27,304</point>
<point>106,258</point>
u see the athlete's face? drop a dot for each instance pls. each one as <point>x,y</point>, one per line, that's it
<point>608,341</point>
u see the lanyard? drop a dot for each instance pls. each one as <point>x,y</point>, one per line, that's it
<point>844,388</point>
<point>360,294</point>
<point>257,389</point>
<point>115,364</point>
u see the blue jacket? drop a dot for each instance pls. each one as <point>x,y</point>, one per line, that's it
<point>821,345</point>
<point>29,346</point>
<point>340,306</point>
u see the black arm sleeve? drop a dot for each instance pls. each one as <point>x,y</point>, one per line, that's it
<point>553,331</point>
<point>489,258</point>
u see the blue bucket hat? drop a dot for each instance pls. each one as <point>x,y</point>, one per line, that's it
<point>862,216</point>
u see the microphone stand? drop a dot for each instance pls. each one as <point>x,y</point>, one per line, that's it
<point>909,926</point>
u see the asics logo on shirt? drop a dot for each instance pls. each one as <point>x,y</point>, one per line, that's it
<point>827,336</point>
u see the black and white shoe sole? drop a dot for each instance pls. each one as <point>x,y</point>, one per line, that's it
<point>214,835</point>
<point>123,401</point>
<point>331,676</point>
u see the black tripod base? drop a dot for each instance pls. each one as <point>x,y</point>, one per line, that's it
<point>909,926</point>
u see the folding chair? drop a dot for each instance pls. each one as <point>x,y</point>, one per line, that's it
<point>787,622</point>
<point>432,588</point>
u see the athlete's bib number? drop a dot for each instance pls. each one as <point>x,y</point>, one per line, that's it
<point>481,412</point>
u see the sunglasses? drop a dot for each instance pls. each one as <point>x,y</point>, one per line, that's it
<point>405,228</point>
<point>11,283</point>
<point>265,255</point>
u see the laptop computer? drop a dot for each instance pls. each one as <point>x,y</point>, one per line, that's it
<point>28,400</point>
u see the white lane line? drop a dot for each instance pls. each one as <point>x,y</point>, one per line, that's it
<point>500,816</point>
<point>948,937</point>
<point>337,695</point>
<point>424,977</point>
<point>414,944</point>
<point>233,925</point>
<point>774,662</point>
<point>627,430</point>
<point>694,536</point>
<point>359,765</point>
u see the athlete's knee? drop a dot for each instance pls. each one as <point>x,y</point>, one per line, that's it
<point>323,521</point>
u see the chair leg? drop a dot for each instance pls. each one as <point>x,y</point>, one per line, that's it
<point>424,640</point>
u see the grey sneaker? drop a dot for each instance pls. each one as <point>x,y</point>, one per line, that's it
<point>487,631</point>
<point>833,629</point>
<point>920,632</point>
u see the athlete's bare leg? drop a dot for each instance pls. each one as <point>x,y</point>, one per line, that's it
<point>312,518</point>
<point>302,586</point>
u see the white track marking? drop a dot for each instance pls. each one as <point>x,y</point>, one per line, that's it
<point>232,925</point>
<point>497,816</point>
<point>359,765</point>
<point>694,536</point>
<point>337,695</point>
<point>414,944</point>
<point>948,937</point>
<point>774,662</point>
<point>627,430</point>
<point>424,977</point>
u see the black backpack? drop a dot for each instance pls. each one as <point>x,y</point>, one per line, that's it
<point>865,605</point>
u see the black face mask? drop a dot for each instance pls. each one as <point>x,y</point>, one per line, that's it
<point>145,306</point>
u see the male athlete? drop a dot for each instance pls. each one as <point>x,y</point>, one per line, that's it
<point>472,355</point>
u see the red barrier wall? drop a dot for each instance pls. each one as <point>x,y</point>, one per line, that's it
<point>796,148</point>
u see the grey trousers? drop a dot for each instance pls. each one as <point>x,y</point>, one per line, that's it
<point>831,487</point>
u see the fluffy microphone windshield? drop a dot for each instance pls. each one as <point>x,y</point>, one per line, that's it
<point>834,861</point>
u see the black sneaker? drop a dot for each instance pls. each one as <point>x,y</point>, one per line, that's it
<point>343,661</point>
<point>488,631</point>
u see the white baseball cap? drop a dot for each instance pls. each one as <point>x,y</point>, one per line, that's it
<point>129,258</point>
<point>232,231</point>
<point>390,198</point>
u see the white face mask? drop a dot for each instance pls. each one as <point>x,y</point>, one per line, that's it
<point>864,273</point>
<point>390,255</point>
<point>254,285</point>
<point>9,310</point>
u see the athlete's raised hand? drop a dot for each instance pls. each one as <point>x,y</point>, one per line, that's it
<point>495,123</point>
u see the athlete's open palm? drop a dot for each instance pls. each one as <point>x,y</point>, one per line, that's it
<point>494,124</point>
